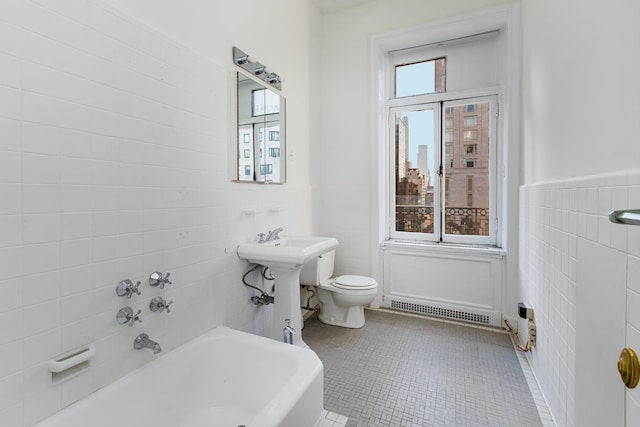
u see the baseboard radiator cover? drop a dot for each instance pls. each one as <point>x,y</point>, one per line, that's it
<point>464,314</point>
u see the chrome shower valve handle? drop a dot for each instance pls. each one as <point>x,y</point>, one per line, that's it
<point>157,279</point>
<point>126,288</point>
<point>159,304</point>
<point>125,315</point>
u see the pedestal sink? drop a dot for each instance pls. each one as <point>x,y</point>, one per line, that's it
<point>285,258</point>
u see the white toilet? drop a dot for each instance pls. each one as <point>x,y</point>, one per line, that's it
<point>341,298</point>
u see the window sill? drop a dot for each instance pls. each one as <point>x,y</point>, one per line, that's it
<point>444,248</point>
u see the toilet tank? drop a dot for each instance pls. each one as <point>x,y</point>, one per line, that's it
<point>319,270</point>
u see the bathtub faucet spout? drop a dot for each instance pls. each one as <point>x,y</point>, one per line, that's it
<point>143,341</point>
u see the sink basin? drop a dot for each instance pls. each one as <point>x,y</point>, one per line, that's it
<point>293,251</point>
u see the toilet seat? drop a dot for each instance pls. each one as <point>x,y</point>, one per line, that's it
<point>353,282</point>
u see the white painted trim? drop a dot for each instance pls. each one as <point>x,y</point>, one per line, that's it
<point>507,19</point>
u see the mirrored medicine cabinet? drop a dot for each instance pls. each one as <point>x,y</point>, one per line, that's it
<point>261,138</point>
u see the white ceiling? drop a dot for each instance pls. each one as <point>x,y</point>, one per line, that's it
<point>330,6</point>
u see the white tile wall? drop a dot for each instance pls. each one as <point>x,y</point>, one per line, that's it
<point>113,164</point>
<point>553,217</point>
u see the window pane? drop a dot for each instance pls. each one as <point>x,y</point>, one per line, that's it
<point>420,78</point>
<point>466,201</point>
<point>470,135</point>
<point>264,102</point>
<point>471,121</point>
<point>414,166</point>
<point>448,136</point>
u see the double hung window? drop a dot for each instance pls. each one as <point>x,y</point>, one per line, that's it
<point>443,154</point>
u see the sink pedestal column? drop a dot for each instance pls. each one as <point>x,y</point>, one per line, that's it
<point>287,303</point>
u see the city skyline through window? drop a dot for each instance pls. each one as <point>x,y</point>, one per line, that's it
<point>440,143</point>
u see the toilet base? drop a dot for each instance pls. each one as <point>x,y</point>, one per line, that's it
<point>352,317</point>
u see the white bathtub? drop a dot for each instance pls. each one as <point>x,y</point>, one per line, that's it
<point>222,378</point>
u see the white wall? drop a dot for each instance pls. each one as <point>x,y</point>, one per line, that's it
<point>114,148</point>
<point>344,187</point>
<point>580,87</point>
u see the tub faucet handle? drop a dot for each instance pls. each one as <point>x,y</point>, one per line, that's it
<point>159,304</point>
<point>126,288</point>
<point>157,279</point>
<point>125,315</point>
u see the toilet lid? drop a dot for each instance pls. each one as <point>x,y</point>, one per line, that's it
<point>355,282</point>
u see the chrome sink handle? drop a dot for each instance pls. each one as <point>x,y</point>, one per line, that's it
<point>261,237</point>
<point>126,288</point>
<point>125,315</point>
<point>159,304</point>
<point>157,279</point>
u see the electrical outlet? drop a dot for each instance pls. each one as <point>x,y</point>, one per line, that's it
<point>532,333</point>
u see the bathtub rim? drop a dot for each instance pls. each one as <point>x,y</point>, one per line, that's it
<point>310,369</point>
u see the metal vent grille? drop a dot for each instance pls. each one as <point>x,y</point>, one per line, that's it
<point>441,312</point>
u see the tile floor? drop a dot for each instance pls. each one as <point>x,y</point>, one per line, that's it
<point>331,419</point>
<point>402,370</point>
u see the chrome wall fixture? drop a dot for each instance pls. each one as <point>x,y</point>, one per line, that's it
<point>629,216</point>
<point>241,59</point>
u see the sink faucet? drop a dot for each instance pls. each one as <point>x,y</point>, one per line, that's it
<point>143,341</point>
<point>273,235</point>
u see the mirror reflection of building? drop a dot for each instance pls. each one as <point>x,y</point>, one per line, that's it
<point>261,131</point>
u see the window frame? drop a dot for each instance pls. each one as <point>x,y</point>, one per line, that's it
<point>447,100</point>
<point>438,123</point>
<point>493,161</point>
<point>438,180</point>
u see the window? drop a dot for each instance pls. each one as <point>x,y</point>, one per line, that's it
<point>274,152</point>
<point>470,135</point>
<point>274,135</point>
<point>247,154</point>
<point>461,209</point>
<point>266,169</point>
<point>247,170</point>
<point>448,136</point>
<point>443,98</point>
<point>456,205</point>
<point>263,102</point>
<point>420,78</point>
<point>478,73</point>
<point>470,121</point>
